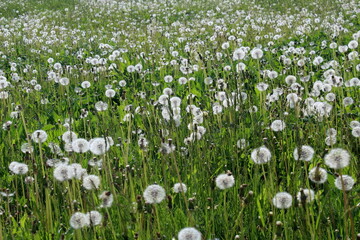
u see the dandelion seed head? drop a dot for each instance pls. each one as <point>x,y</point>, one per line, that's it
<point>241,143</point>
<point>261,155</point>
<point>305,195</point>
<point>318,175</point>
<point>348,101</point>
<point>29,180</point>
<point>262,86</point>
<point>39,136</point>
<point>94,218</point>
<point>354,124</point>
<point>63,172</point>
<point>225,180</point>
<point>79,220</point>
<point>168,79</point>
<point>345,182</point>
<point>238,54</point>
<point>154,194</point>
<point>290,79</point>
<point>27,148</point>
<point>282,200</point>
<point>64,81</point>
<point>85,84</point>
<point>331,140</point>
<point>189,233</point>
<point>69,137</point>
<point>107,199</point>
<point>80,145</point>
<point>180,187</point>
<point>101,106</point>
<point>356,132</point>
<point>78,170</point>
<point>305,154</point>
<point>98,146</point>
<point>278,125</point>
<point>18,168</point>
<point>110,93</point>
<point>337,158</point>
<point>256,53</point>
<point>91,182</point>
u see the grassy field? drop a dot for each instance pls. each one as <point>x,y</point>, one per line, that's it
<point>181,120</point>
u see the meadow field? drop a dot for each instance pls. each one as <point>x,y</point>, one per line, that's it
<point>179,120</point>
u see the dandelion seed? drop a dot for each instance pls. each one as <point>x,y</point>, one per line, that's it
<point>110,93</point>
<point>167,148</point>
<point>344,182</point>
<point>282,200</point>
<point>154,194</point>
<point>261,155</point>
<point>262,86</point>
<point>175,102</point>
<point>57,162</point>
<point>91,182</point>
<point>238,54</point>
<point>69,136</point>
<point>6,194</point>
<point>348,101</point>
<point>354,124</point>
<point>240,67</point>
<point>39,136</point>
<point>79,220</point>
<point>78,170</point>
<point>18,168</point>
<point>107,199</point>
<point>318,175</point>
<point>94,163</point>
<point>122,83</point>
<point>356,132</point>
<point>331,132</point>
<point>306,153</point>
<point>130,68</point>
<point>94,218</point>
<point>101,106</point>
<point>290,79</point>
<point>80,145</point>
<point>330,97</point>
<point>225,45</point>
<point>85,84</point>
<point>241,143</point>
<point>29,180</point>
<point>168,79</point>
<point>292,99</point>
<point>337,158</point>
<point>189,233</point>
<point>256,53</point>
<point>272,74</point>
<point>331,140</point>
<point>179,187</point>
<point>3,84</point>
<point>305,195</point>
<point>98,146</point>
<point>57,66</point>
<point>64,81</point>
<point>27,148</point>
<point>278,125</point>
<point>182,80</point>
<point>224,181</point>
<point>4,95</point>
<point>217,108</point>
<point>63,172</point>
<point>353,44</point>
